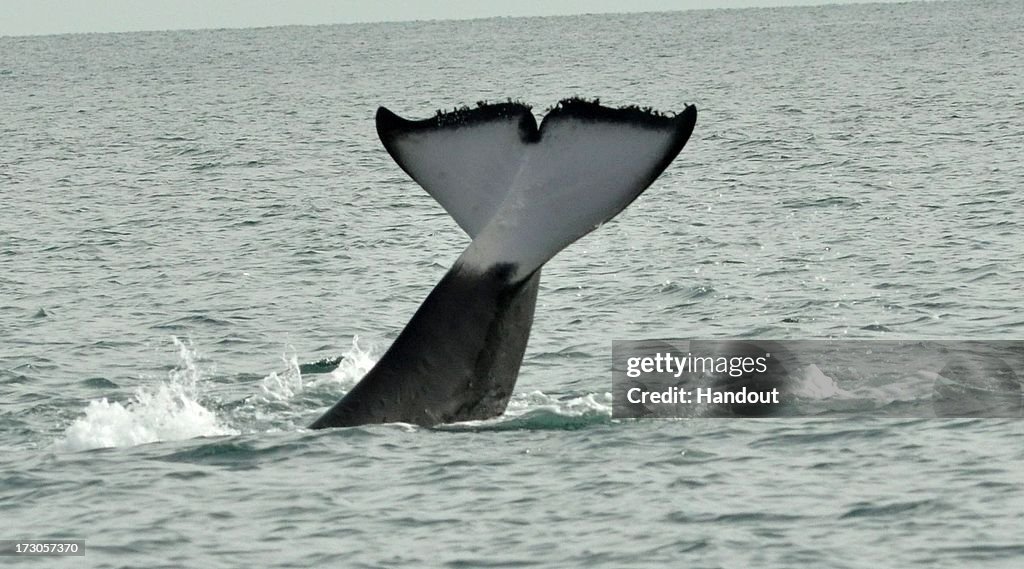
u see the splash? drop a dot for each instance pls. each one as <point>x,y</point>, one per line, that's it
<point>285,385</point>
<point>169,412</point>
<point>356,363</point>
<point>285,397</point>
<point>290,383</point>
<point>815,384</point>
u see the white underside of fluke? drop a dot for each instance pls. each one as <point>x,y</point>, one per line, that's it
<point>579,175</point>
<point>468,170</point>
<point>523,200</point>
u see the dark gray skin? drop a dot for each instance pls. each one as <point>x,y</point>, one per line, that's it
<point>456,360</point>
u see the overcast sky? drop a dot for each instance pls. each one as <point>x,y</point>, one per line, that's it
<point>28,17</point>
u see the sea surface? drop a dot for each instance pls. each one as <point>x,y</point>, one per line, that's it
<point>189,220</point>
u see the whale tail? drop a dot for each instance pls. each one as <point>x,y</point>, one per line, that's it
<point>522,193</point>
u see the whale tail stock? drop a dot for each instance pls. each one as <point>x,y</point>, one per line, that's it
<point>522,193</point>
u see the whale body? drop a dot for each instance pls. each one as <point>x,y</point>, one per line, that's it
<point>522,193</point>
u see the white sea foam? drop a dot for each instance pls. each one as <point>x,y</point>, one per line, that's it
<point>170,411</point>
<point>285,385</point>
<point>814,384</point>
<point>538,410</point>
<point>576,406</point>
<point>283,400</point>
<point>354,365</point>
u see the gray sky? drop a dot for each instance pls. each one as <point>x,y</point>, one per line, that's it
<point>28,17</point>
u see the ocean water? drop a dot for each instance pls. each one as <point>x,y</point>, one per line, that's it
<point>190,219</point>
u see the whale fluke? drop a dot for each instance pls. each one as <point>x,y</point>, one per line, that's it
<point>523,194</point>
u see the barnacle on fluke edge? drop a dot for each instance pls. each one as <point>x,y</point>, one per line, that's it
<point>593,110</point>
<point>576,107</point>
<point>484,111</point>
